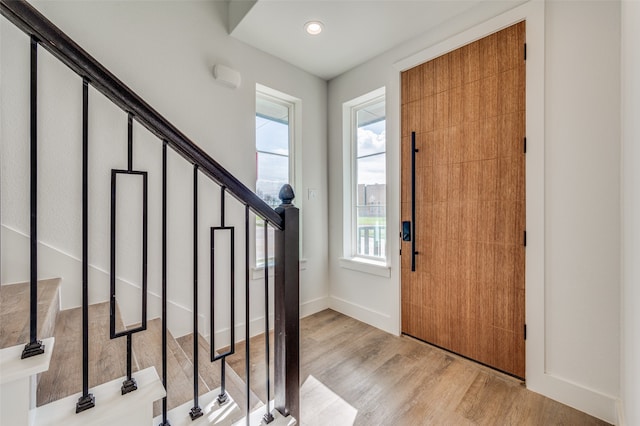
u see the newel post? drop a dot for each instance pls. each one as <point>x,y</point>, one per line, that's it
<point>287,308</point>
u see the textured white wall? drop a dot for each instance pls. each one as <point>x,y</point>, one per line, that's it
<point>630,369</point>
<point>577,315</point>
<point>582,181</point>
<point>165,52</point>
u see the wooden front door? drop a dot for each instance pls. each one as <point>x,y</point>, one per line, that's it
<point>467,111</point>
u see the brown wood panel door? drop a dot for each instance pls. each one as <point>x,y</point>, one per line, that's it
<point>467,109</point>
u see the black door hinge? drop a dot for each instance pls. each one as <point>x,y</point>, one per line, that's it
<point>525,145</point>
<point>525,51</point>
<point>525,332</point>
<point>524,242</point>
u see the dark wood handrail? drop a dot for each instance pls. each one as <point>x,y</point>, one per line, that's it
<point>32,22</point>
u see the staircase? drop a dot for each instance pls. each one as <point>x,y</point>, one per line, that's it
<point>84,365</point>
<point>62,380</point>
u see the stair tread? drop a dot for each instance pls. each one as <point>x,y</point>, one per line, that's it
<point>147,349</point>
<point>15,307</point>
<point>210,372</point>
<point>107,358</point>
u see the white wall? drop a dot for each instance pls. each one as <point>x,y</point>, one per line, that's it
<point>165,52</point>
<point>577,316</point>
<point>630,369</point>
<point>582,192</point>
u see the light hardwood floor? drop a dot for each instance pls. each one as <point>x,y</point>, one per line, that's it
<point>352,373</point>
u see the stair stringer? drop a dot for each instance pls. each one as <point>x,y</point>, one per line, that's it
<point>56,263</point>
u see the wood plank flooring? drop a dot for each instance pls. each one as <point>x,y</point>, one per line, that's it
<point>352,373</point>
<point>14,311</point>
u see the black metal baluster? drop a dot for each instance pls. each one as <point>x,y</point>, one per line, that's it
<point>87,400</point>
<point>129,142</point>
<point>223,190</point>
<point>222,397</point>
<point>247,363</point>
<point>35,346</point>
<point>129,384</point>
<point>196,411</point>
<point>165,421</point>
<point>268,417</point>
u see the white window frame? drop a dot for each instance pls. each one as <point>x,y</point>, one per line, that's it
<point>294,106</point>
<point>351,259</point>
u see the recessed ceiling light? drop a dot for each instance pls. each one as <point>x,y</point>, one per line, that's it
<point>314,27</point>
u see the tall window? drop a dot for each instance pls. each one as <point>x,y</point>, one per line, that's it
<point>369,181</point>
<point>273,159</point>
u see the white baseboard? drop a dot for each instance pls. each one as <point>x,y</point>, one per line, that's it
<point>362,313</point>
<point>256,326</point>
<point>575,395</point>
<point>313,306</point>
<point>620,413</point>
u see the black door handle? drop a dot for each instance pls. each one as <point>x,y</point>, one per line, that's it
<point>413,202</point>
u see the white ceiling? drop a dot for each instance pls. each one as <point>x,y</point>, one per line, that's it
<point>354,30</point>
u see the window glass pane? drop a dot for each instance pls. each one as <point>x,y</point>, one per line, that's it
<point>371,170</point>
<point>371,129</point>
<point>371,179</point>
<point>272,136</point>
<point>268,108</point>
<point>260,243</point>
<point>371,230</point>
<point>273,172</point>
<point>370,113</point>
<point>371,139</point>
<point>371,206</point>
<point>272,161</point>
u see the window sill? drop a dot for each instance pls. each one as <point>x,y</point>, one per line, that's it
<point>257,273</point>
<point>367,266</point>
